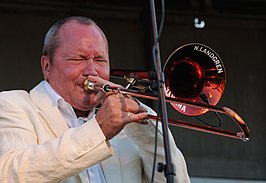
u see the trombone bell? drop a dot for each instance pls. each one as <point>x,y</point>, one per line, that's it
<point>194,72</point>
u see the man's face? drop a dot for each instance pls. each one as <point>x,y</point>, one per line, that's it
<point>82,52</point>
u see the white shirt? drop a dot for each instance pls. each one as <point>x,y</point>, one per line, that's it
<point>93,174</point>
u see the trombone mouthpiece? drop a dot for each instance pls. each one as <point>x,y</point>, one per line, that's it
<point>90,86</point>
<point>87,85</point>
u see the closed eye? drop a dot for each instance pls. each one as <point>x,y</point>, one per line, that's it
<point>100,59</point>
<point>75,59</point>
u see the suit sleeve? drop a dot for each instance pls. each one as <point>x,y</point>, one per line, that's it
<point>24,159</point>
<point>143,136</point>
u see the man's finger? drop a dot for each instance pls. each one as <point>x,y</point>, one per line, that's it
<point>99,96</point>
<point>131,117</point>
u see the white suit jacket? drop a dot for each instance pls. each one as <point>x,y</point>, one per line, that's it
<point>36,145</point>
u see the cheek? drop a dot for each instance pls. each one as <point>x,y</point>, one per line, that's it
<point>103,72</point>
<point>65,76</point>
<point>73,72</point>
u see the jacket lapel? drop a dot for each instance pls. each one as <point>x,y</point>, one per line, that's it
<point>48,110</point>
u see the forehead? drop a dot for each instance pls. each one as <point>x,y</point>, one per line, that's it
<point>74,31</point>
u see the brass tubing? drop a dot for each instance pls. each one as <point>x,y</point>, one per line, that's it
<point>242,135</point>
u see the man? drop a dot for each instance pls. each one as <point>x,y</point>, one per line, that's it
<point>52,134</point>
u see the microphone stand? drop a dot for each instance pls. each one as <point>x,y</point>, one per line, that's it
<point>169,167</point>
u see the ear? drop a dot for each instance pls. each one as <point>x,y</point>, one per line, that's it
<point>46,65</point>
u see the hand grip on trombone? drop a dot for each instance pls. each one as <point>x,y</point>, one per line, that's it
<point>195,81</point>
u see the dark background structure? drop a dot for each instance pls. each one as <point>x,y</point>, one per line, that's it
<point>235,29</point>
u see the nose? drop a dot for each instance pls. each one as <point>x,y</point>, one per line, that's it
<point>89,68</point>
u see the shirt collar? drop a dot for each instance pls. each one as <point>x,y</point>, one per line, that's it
<point>55,97</point>
<point>60,102</point>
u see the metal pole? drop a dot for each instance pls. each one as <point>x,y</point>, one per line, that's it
<point>168,167</point>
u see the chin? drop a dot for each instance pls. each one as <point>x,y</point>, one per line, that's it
<point>86,106</point>
<point>85,102</point>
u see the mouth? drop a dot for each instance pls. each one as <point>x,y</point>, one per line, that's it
<point>81,86</point>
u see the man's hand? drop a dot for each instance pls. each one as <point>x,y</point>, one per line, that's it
<point>117,110</point>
